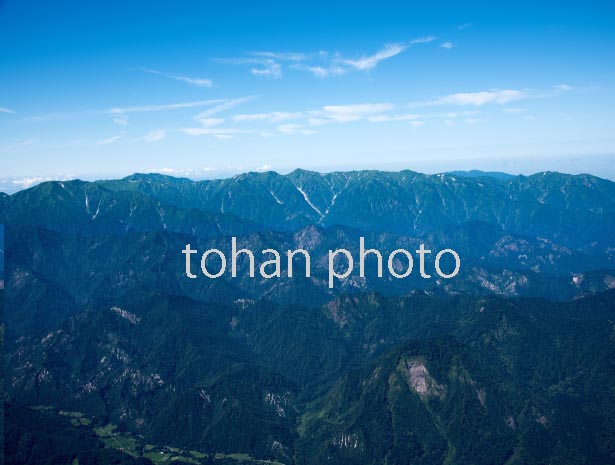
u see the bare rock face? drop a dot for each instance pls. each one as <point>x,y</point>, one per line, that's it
<point>420,381</point>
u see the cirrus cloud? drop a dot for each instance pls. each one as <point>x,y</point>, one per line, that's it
<point>493,96</point>
<point>321,64</point>
<point>193,81</point>
<point>152,136</point>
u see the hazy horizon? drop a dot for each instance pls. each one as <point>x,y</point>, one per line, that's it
<point>16,184</point>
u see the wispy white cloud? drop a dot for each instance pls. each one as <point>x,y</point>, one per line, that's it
<point>447,45</point>
<point>210,126</point>
<point>417,119</point>
<point>120,120</point>
<point>118,112</point>
<point>220,107</point>
<point>112,139</point>
<point>30,181</point>
<point>295,129</point>
<point>266,67</point>
<point>184,172</point>
<point>168,171</point>
<point>480,98</point>
<point>152,136</point>
<point>17,145</point>
<point>268,62</point>
<point>327,114</point>
<point>289,128</point>
<point>274,116</point>
<point>367,62</point>
<point>457,114</point>
<point>212,131</point>
<point>513,110</point>
<point>222,136</point>
<point>321,64</point>
<point>304,122</point>
<point>193,81</point>
<point>494,96</point>
<point>345,113</point>
<point>210,122</point>
<point>282,56</point>
<point>269,68</point>
<point>389,118</point>
<point>563,88</point>
<point>163,107</point>
<point>477,98</point>
<point>463,26</point>
<point>6,110</point>
<point>422,40</point>
<point>321,71</point>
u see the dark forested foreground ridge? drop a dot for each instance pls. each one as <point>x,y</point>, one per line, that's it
<point>112,356</point>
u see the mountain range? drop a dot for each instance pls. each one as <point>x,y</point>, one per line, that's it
<point>510,362</point>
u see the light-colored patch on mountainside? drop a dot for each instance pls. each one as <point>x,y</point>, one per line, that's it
<point>346,440</point>
<point>134,319</point>
<point>20,278</point>
<point>309,202</point>
<point>281,403</point>
<point>337,314</point>
<point>481,394</point>
<point>308,238</point>
<point>204,395</point>
<point>419,379</point>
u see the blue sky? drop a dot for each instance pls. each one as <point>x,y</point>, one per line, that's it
<point>104,89</point>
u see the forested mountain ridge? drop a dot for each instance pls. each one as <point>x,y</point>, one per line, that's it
<point>510,362</point>
<point>549,204</point>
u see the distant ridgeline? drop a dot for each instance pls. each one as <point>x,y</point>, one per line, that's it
<point>150,317</point>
